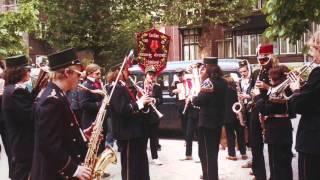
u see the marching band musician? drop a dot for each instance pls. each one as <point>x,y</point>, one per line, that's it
<point>153,90</point>
<point>60,146</point>
<point>232,124</point>
<point>90,102</point>
<point>278,132</point>
<point>212,107</point>
<point>306,102</point>
<point>129,128</point>
<point>17,109</point>
<point>246,84</point>
<point>266,61</point>
<point>182,88</point>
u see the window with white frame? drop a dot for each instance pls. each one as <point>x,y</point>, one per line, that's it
<point>228,49</point>
<point>249,45</point>
<point>300,45</point>
<point>190,44</point>
<point>238,43</point>
<point>220,49</point>
<point>286,47</point>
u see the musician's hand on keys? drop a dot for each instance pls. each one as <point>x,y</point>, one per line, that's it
<point>176,91</point>
<point>98,91</point>
<point>262,85</point>
<point>145,99</point>
<point>83,173</point>
<point>243,96</point>
<point>295,81</point>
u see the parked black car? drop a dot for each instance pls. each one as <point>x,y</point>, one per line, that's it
<point>170,123</point>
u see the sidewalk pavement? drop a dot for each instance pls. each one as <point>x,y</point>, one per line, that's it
<point>174,169</point>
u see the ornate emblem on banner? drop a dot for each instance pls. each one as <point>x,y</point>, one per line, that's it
<point>153,49</point>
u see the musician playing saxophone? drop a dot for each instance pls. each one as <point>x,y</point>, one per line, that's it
<point>129,128</point>
<point>246,84</point>
<point>60,146</point>
<point>153,90</point>
<point>277,113</point>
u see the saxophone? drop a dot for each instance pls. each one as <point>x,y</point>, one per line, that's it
<point>99,164</point>
<point>239,108</point>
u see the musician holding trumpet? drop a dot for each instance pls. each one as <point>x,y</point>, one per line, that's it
<point>129,128</point>
<point>306,101</point>
<point>152,90</point>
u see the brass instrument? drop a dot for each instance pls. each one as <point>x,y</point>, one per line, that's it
<point>278,92</point>
<point>239,108</point>
<point>99,164</point>
<point>141,91</point>
<point>196,85</point>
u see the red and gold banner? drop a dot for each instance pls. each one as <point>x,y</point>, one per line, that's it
<point>153,49</point>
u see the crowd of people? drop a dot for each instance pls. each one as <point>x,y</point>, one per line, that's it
<point>46,136</point>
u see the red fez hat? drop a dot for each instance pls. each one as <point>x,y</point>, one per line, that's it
<point>265,49</point>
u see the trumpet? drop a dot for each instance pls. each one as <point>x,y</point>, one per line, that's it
<point>140,90</point>
<point>278,92</point>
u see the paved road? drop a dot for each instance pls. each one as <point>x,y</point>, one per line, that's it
<point>174,169</point>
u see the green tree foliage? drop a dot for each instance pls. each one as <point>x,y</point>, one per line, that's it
<point>290,19</point>
<point>190,12</point>
<point>106,27</point>
<point>12,25</point>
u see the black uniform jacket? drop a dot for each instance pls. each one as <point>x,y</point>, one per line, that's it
<point>17,109</point>
<point>59,143</point>
<point>90,104</point>
<point>212,105</point>
<point>151,116</point>
<point>231,98</point>
<point>307,103</point>
<point>127,120</point>
<point>278,129</point>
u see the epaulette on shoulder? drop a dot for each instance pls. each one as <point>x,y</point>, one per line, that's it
<point>53,94</point>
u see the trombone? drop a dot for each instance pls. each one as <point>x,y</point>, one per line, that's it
<point>141,91</point>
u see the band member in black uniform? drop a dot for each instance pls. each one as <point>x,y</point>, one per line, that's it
<point>129,129</point>
<point>232,124</point>
<point>246,84</point>
<point>211,101</point>
<point>90,102</point>
<point>3,133</point>
<point>306,101</point>
<point>17,109</point>
<point>153,90</point>
<point>60,146</point>
<point>182,89</point>
<point>276,114</point>
<point>259,91</point>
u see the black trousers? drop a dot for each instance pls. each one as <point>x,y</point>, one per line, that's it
<point>154,139</point>
<point>191,130</point>
<point>183,117</point>
<point>134,159</point>
<point>311,164</point>
<point>233,129</point>
<point>4,137</point>
<point>256,138</point>
<point>21,171</point>
<point>280,158</point>
<point>209,140</point>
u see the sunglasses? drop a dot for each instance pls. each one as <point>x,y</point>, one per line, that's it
<point>264,60</point>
